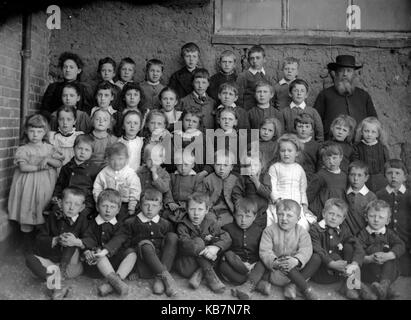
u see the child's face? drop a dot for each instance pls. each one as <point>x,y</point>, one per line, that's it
<point>104,98</point>
<point>256,60</point>
<point>304,130</point>
<point>253,166</point>
<point>101,121</point>
<point>263,94</point>
<point>244,219</point>
<point>340,132</point>
<point>223,167</point>
<point>83,151</point>
<point>267,132</point>
<point>357,178</point>
<point>107,209</point>
<point>156,158</point>
<point>227,121</point>
<point>72,205</point>
<point>132,98</point>
<point>299,94</point>
<point>196,211</point>
<point>168,100</point>
<point>117,161</point>
<point>395,177</point>
<point>132,125</point>
<point>66,121</point>
<point>288,152</point>
<point>151,208</point>
<point>154,73</point>
<point>287,219</point>
<point>191,121</point>
<point>70,70</point>
<point>332,162</point>
<point>333,217</point>
<point>378,218</point>
<point>107,72</point>
<point>370,132</point>
<point>290,71</point>
<point>156,122</point>
<point>70,97</point>
<point>200,85</point>
<point>35,135</point>
<point>127,72</point>
<point>227,64</point>
<point>227,97</point>
<point>191,59</point>
<point>185,168</point>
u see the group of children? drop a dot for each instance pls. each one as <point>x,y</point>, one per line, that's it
<point>104,194</point>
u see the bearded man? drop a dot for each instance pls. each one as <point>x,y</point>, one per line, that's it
<point>343,97</point>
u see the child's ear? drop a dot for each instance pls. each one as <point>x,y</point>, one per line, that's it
<point>79,71</point>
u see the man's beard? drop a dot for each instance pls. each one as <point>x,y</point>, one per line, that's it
<point>344,86</point>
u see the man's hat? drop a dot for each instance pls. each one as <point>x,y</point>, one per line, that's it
<point>343,61</point>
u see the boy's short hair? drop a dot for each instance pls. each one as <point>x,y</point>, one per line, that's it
<point>339,203</point>
<point>75,192</point>
<point>263,84</point>
<point>304,118</point>
<point>84,138</point>
<point>151,194</point>
<point>199,197</point>
<point>126,60</point>
<point>346,121</point>
<point>254,49</point>
<point>105,60</point>
<point>290,60</point>
<point>359,164</point>
<point>154,62</point>
<point>104,85</point>
<point>378,205</point>
<point>227,53</point>
<point>117,148</point>
<point>110,195</point>
<point>70,109</point>
<point>201,73</point>
<point>288,204</point>
<point>72,85</point>
<point>228,86</point>
<point>246,204</point>
<point>295,82</point>
<point>330,149</point>
<point>189,47</point>
<point>70,56</point>
<point>396,164</point>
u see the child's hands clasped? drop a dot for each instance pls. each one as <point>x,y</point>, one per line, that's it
<point>210,252</point>
<point>338,265</point>
<point>68,239</point>
<point>287,263</point>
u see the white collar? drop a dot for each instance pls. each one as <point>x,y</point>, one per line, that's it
<point>322,224</point>
<point>74,219</point>
<point>198,96</point>
<point>364,190</point>
<point>153,83</point>
<point>191,173</point>
<point>265,106</point>
<point>306,140</point>
<point>254,71</point>
<point>390,190</point>
<point>283,81</point>
<point>380,231</point>
<point>144,219</point>
<point>99,220</point>
<point>221,106</point>
<point>338,171</point>
<point>302,105</point>
<point>369,144</point>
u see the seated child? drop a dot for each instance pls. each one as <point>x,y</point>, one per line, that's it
<point>125,72</point>
<point>199,97</point>
<point>399,199</point>
<point>358,196</point>
<point>80,173</point>
<point>282,97</point>
<point>105,95</point>
<point>201,243</point>
<point>383,248</point>
<point>226,73</point>
<point>155,243</point>
<point>119,176</point>
<point>168,101</point>
<point>241,263</point>
<point>299,93</point>
<point>219,185</point>
<point>152,85</point>
<point>103,242</point>
<point>336,251</point>
<point>58,242</point>
<point>285,249</point>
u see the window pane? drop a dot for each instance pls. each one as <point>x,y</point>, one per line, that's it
<point>251,14</point>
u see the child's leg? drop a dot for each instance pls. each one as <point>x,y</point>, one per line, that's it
<point>169,250</point>
<point>231,274</point>
<point>235,262</point>
<point>210,276</point>
<point>104,266</point>
<point>38,265</point>
<point>298,279</point>
<point>311,267</point>
<point>127,264</point>
<point>149,255</point>
<point>389,271</point>
<point>186,265</point>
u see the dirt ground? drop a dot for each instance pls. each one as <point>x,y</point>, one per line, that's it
<point>18,283</point>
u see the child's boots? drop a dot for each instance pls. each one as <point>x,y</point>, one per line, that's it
<point>119,285</point>
<point>60,294</point>
<point>245,291</point>
<point>366,292</point>
<point>158,286</point>
<point>311,294</point>
<point>105,289</point>
<point>351,294</point>
<point>290,291</point>
<point>383,289</point>
<point>213,281</point>
<point>170,285</point>
<point>264,287</point>
<point>196,278</point>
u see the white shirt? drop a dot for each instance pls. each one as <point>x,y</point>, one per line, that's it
<point>144,219</point>
<point>371,231</point>
<point>390,190</point>
<point>364,190</point>
<point>254,71</point>
<point>99,220</point>
<point>282,81</point>
<point>302,105</point>
<point>370,144</point>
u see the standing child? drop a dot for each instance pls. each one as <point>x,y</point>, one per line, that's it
<point>285,249</point>
<point>34,177</point>
<point>199,97</point>
<point>152,86</point>
<point>299,93</point>
<point>247,80</point>
<point>125,72</point>
<point>106,71</point>
<point>270,131</point>
<point>131,125</point>
<point>168,101</point>
<point>155,243</point>
<point>226,73</point>
<point>282,97</point>
<point>201,243</point>
<point>119,176</point>
<point>104,97</point>
<point>182,80</point>
<point>371,147</point>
